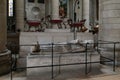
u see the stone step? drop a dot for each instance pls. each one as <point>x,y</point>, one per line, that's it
<point>19,78</point>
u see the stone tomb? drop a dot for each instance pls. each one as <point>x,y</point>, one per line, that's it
<point>44,73</point>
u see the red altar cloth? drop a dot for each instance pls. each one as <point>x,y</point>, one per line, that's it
<point>78,24</point>
<point>55,21</point>
<point>33,23</point>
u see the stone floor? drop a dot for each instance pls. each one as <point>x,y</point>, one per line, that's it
<point>103,72</point>
<point>71,75</point>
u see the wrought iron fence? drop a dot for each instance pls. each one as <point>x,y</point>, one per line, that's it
<point>66,54</point>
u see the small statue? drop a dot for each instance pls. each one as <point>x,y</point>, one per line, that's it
<point>36,47</point>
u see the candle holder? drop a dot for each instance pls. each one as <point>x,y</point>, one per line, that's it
<point>95,29</point>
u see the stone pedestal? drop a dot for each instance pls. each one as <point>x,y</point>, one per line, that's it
<point>5,62</point>
<point>4,53</point>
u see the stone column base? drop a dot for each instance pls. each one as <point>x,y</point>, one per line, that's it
<point>5,59</point>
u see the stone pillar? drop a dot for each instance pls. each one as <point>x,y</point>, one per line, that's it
<point>55,12</point>
<point>48,7</point>
<point>55,9</point>
<point>86,11</point>
<point>20,14</point>
<point>4,53</point>
<point>110,23</point>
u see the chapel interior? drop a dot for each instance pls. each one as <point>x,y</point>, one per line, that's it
<point>59,39</point>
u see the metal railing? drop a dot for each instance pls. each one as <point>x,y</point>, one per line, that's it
<point>88,50</point>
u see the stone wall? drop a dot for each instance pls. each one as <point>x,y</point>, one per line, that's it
<point>110,23</point>
<point>110,20</point>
